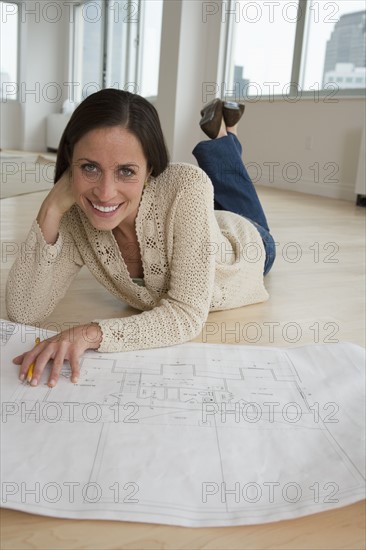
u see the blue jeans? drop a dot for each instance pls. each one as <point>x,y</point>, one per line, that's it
<point>233,189</point>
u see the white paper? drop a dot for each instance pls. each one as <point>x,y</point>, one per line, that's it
<point>193,435</point>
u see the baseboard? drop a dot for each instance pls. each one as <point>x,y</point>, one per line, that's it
<point>338,190</point>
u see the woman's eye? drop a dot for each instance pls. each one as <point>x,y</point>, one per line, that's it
<point>89,168</point>
<point>90,171</point>
<point>126,172</point>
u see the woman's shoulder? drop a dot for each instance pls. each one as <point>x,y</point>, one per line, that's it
<point>180,176</point>
<point>180,184</point>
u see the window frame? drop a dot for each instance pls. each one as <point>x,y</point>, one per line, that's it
<point>296,93</point>
<point>18,45</point>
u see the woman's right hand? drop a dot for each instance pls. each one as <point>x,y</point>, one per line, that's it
<point>61,196</point>
<point>58,201</point>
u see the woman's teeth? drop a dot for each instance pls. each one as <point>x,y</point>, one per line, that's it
<point>105,208</point>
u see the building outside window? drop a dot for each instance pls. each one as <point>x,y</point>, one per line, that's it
<point>334,45</point>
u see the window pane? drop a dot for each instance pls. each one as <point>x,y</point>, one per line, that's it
<point>89,47</point>
<point>133,52</point>
<point>334,47</point>
<point>150,38</point>
<point>262,47</point>
<point>123,18</point>
<point>9,49</point>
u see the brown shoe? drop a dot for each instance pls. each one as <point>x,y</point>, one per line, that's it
<point>232,112</point>
<point>211,118</point>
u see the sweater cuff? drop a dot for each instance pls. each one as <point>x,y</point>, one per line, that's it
<point>120,334</point>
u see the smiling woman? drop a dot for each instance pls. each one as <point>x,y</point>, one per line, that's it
<point>146,229</point>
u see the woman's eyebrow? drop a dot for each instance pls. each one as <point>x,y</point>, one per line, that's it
<point>118,164</point>
<point>127,164</point>
<point>88,160</point>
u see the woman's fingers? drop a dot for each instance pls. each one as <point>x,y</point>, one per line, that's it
<point>28,355</point>
<point>58,348</point>
<point>57,365</point>
<point>18,359</point>
<point>75,369</point>
<point>25,361</point>
<point>40,363</point>
<point>58,353</point>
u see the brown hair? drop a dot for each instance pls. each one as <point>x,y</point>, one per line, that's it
<point>108,108</point>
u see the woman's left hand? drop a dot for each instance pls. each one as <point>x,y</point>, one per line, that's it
<point>68,345</point>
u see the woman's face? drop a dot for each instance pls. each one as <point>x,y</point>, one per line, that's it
<point>109,170</point>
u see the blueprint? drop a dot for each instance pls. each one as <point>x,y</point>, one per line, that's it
<point>192,435</point>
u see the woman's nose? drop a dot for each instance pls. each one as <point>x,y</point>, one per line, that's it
<point>105,188</point>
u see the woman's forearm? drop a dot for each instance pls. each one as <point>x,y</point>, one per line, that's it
<point>40,275</point>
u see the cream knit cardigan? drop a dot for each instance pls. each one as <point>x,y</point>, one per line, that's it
<point>195,260</point>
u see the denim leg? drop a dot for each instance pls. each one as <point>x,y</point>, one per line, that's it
<point>269,247</point>
<point>233,189</point>
<point>236,142</point>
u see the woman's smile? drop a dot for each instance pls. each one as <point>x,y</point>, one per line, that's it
<point>105,210</point>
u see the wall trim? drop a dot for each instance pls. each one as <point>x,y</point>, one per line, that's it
<point>341,190</point>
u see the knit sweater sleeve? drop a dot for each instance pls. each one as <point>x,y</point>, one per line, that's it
<point>40,275</point>
<point>179,315</point>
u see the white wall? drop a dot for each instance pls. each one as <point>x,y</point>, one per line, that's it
<point>43,72</point>
<point>308,146</point>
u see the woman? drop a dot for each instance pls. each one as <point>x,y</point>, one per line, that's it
<point>146,229</point>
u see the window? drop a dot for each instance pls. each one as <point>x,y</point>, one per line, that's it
<point>294,47</point>
<point>334,44</point>
<point>9,26</point>
<point>117,44</point>
<point>88,48</point>
<point>150,35</point>
<point>122,32</point>
<point>262,48</point>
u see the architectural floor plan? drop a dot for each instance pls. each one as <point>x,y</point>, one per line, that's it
<point>195,434</point>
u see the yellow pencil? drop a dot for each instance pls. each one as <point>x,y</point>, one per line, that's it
<point>31,367</point>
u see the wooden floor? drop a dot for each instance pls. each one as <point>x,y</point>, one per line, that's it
<point>317,294</point>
